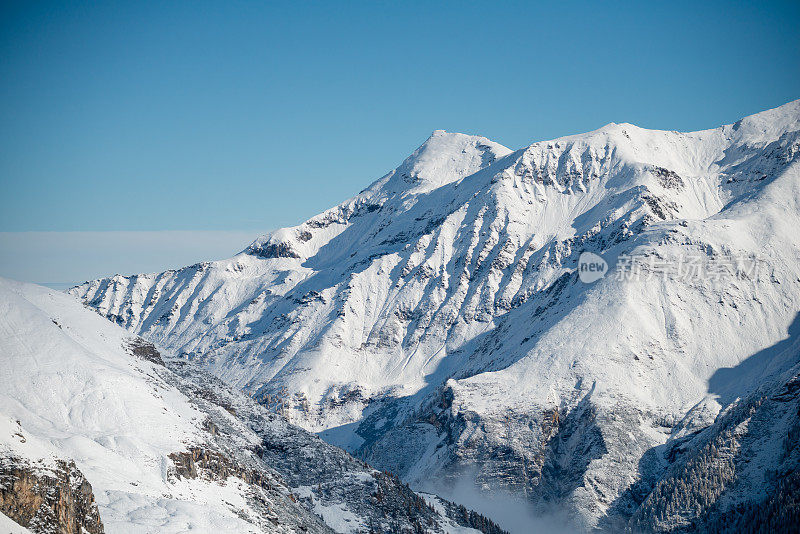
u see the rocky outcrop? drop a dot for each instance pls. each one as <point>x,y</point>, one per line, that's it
<point>145,350</point>
<point>273,250</point>
<point>214,465</point>
<point>52,501</point>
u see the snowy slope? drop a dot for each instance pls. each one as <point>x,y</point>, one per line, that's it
<point>8,526</point>
<point>77,393</point>
<point>435,322</point>
<point>167,450</point>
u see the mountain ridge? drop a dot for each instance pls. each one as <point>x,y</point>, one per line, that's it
<point>436,324</point>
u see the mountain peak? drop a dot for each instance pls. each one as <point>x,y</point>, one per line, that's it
<point>443,158</point>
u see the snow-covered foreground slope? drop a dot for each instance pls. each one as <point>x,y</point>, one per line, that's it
<point>72,389</point>
<point>99,433</point>
<point>436,324</point>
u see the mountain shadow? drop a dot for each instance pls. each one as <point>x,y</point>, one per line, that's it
<point>730,383</point>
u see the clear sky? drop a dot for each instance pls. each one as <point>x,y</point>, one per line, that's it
<point>247,116</point>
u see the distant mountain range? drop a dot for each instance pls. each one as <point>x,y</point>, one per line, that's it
<point>436,325</point>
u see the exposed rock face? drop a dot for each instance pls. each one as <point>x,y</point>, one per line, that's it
<point>216,466</point>
<point>58,501</point>
<point>274,250</point>
<point>145,350</point>
<point>265,489</point>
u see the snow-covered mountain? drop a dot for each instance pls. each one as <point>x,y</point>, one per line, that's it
<point>100,433</point>
<point>435,324</point>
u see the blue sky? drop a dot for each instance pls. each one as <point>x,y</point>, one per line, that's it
<point>247,116</point>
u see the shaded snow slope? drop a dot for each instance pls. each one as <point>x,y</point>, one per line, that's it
<point>172,450</point>
<point>435,322</point>
<point>741,474</point>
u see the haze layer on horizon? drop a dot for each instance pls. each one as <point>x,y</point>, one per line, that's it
<point>63,259</point>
